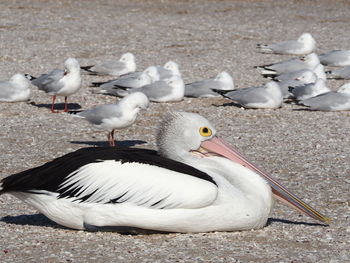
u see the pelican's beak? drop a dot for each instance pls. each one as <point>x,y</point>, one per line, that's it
<point>219,146</point>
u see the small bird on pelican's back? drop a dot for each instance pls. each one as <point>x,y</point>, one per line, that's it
<point>60,82</point>
<point>196,182</point>
<point>16,89</point>
<point>115,116</point>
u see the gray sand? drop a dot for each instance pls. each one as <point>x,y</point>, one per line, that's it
<point>307,151</point>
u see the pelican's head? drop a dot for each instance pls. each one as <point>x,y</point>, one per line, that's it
<point>72,65</point>
<point>184,136</point>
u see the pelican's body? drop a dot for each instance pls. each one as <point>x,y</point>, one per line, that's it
<point>194,183</point>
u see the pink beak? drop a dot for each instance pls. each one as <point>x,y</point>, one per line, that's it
<point>220,147</point>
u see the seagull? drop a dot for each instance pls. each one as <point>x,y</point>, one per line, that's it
<point>16,89</point>
<point>169,69</point>
<point>60,82</point>
<point>304,45</point>
<point>287,66</point>
<point>124,65</point>
<point>196,182</point>
<point>167,90</point>
<point>306,77</point>
<point>337,58</point>
<point>115,116</point>
<point>309,90</point>
<point>318,70</point>
<point>268,96</point>
<point>204,88</point>
<point>129,82</point>
<point>330,101</point>
<point>339,73</point>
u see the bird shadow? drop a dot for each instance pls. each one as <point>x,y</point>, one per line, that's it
<point>228,104</point>
<point>32,220</point>
<point>126,143</point>
<point>42,221</point>
<point>58,106</point>
<point>272,221</point>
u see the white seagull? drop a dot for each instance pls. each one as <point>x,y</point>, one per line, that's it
<point>60,82</point>
<point>304,45</point>
<point>17,88</point>
<point>124,65</point>
<point>130,82</point>
<point>330,101</point>
<point>167,90</point>
<point>306,77</point>
<point>291,65</point>
<point>268,96</point>
<point>309,90</point>
<point>196,182</point>
<point>115,116</point>
<point>337,58</point>
<point>204,88</point>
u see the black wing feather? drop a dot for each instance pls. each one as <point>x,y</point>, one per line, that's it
<point>51,175</point>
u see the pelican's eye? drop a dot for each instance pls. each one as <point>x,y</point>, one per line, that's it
<point>205,131</point>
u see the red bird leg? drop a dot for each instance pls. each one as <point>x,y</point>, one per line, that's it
<point>65,104</point>
<point>53,104</point>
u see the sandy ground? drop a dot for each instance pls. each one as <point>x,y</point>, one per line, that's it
<point>308,151</point>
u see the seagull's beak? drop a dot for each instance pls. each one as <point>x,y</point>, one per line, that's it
<point>219,146</point>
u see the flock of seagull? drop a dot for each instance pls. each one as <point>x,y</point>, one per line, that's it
<point>195,182</point>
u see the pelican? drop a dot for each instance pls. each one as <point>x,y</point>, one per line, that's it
<point>196,182</point>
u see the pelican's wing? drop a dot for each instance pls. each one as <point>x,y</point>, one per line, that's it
<point>106,175</point>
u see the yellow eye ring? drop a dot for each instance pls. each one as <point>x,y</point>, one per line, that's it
<point>205,131</point>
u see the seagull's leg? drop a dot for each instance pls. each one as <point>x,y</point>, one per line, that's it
<point>53,104</point>
<point>109,138</point>
<point>65,104</point>
<point>112,135</point>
